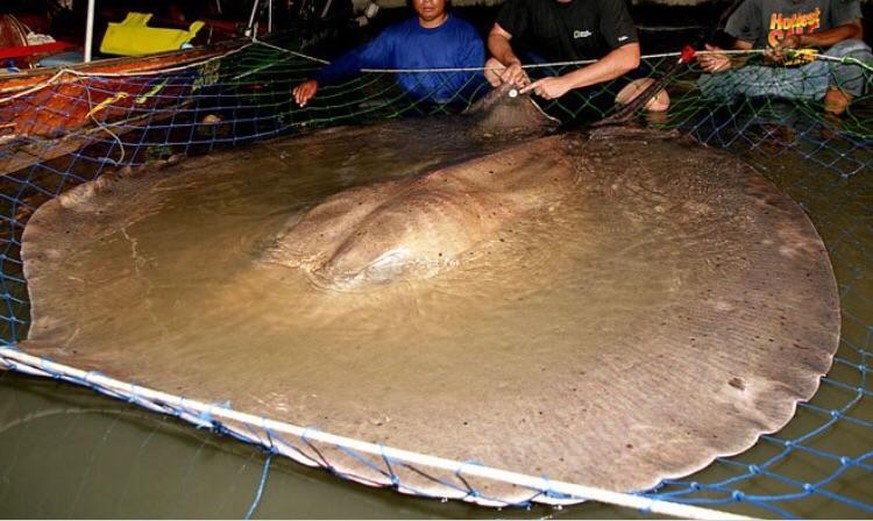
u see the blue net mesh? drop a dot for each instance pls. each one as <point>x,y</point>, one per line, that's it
<point>68,128</point>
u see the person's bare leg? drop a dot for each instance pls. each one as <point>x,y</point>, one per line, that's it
<point>659,102</point>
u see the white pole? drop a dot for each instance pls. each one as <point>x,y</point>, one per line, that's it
<point>250,30</point>
<point>89,31</point>
<point>30,364</point>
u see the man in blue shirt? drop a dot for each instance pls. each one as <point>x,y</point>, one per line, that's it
<point>435,39</point>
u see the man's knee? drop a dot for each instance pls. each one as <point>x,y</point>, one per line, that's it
<point>659,101</point>
<point>854,48</point>
<point>848,75</point>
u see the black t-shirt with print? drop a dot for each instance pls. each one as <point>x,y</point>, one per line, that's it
<point>564,31</point>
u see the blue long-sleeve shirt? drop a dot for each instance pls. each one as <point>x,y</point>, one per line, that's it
<point>408,45</point>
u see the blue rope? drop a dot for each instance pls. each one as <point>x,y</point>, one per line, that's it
<point>263,483</point>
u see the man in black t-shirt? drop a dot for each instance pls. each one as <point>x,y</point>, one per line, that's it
<point>558,31</point>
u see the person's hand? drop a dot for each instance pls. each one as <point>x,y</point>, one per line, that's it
<point>305,92</point>
<point>783,48</point>
<point>713,60</point>
<point>515,75</point>
<point>547,88</point>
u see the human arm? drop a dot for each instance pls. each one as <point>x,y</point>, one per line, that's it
<point>501,50</point>
<point>618,54</point>
<point>616,63</point>
<point>715,60</point>
<point>851,30</point>
<point>742,29</point>
<point>346,66</point>
<point>843,23</point>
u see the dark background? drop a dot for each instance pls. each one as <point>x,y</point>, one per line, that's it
<point>662,28</point>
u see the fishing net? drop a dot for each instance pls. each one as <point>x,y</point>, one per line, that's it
<point>71,127</point>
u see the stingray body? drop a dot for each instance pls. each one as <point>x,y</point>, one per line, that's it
<point>418,227</point>
<point>504,112</point>
<point>659,304</point>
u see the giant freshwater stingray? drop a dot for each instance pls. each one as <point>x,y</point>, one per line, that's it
<point>609,308</point>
